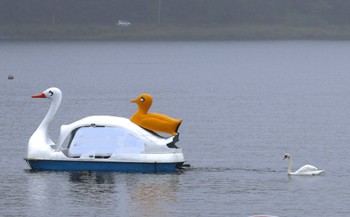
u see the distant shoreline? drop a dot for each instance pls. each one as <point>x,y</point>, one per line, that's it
<point>177,33</point>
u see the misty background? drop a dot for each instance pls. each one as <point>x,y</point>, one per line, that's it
<point>57,15</point>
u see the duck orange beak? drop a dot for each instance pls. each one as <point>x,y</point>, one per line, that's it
<point>134,100</point>
<point>42,95</point>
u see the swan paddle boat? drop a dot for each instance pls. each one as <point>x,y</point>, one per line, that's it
<point>306,170</point>
<point>101,143</point>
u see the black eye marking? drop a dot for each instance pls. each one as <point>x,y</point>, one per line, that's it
<point>142,99</point>
<point>51,93</point>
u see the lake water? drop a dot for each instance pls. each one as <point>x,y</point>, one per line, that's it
<point>243,104</point>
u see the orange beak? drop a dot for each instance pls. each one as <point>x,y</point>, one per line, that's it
<point>42,95</point>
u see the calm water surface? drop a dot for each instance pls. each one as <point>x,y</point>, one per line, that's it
<point>244,105</point>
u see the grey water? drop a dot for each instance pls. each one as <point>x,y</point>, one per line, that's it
<point>243,104</point>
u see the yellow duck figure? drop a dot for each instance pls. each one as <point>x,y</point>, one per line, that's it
<point>153,121</point>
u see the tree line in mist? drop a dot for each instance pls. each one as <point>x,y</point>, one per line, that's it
<point>175,12</point>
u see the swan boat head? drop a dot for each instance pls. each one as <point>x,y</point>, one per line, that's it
<point>40,141</point>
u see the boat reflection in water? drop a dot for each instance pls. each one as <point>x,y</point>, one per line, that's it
<point>144,194</point>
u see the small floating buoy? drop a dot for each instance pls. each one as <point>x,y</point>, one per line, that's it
<point>10,77</point>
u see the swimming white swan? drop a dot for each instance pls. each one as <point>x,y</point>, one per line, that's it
<point>306,170</point>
